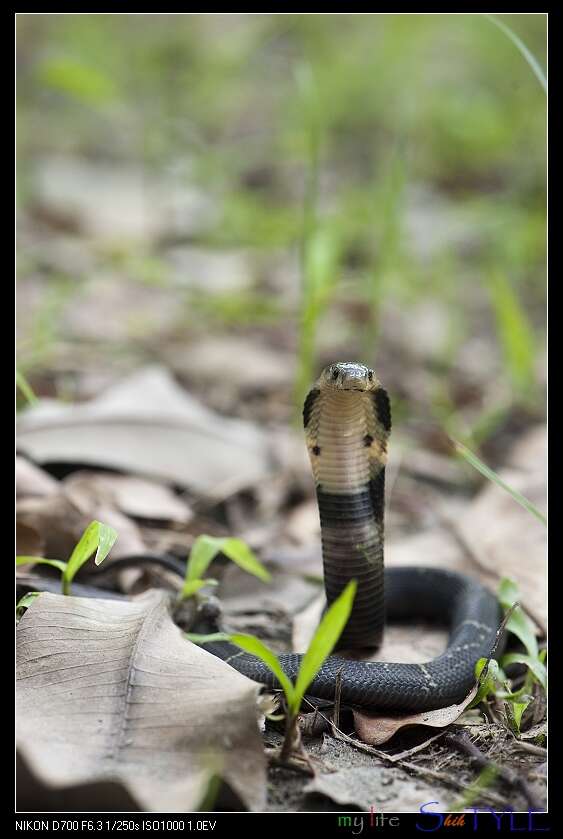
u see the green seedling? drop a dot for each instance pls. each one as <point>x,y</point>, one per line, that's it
<point>98,538</point>
<point>321,646</point>
<point>492,680</point>
<point>203,552</point>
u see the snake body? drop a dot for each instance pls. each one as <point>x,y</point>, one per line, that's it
<point>347,421</point>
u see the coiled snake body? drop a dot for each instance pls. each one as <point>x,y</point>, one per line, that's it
<point>347,422</point>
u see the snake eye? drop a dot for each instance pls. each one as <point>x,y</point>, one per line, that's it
<point>370,375</point>
<point>335,373</point>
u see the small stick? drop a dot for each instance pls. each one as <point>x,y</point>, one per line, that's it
<point>531,748</point>
<point>459,741</point>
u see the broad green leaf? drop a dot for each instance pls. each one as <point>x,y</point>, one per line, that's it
<point>519,623</point>
<point>107,537</point>
<point>97,537</point>
<point>481,467</point>
<point>192,586</point>
<point>323,642</point>
<point>532,662</point>
<point>515,710</point>
<point>206,548</point>
<point>28,560</point>
<point>239,552</point>
<point>254,646</point>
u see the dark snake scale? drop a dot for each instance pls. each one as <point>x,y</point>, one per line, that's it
<point>347,422</point>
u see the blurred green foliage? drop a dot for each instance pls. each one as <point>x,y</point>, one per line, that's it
<point>310,132</point>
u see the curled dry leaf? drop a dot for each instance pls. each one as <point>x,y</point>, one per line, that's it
<point>112,690</point>
<point>140,426</point>
<point>376,729</point>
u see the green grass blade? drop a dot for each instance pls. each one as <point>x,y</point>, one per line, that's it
<point>478,464</point>
<point>254,646</point>
<point>25,388</point>
<point>28,560</point>
<point>521,46</point>
<point>324,641</point>
<point>197,638</point>
<point>474,791</point>
<point>515,333</point>
<point>519,623</point>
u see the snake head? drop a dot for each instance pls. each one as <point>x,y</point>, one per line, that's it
<point>348,375</point>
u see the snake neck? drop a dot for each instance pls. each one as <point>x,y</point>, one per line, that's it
<point>347,441</point>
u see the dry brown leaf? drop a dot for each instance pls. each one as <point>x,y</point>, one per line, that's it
<point>28,540</point>
<point>362,781</point>
<point>232,362</point>
<point>376,729</point>
<point>148,425</point>
<point>503,538</point>
<point>112,691</point>
<point>109,202</point>
<point>135,497</point>
<point>31,480</point>
<point>60,523</point>
<point>241,592</point>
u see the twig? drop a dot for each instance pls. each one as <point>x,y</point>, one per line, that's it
<point>459,741</point>
<point>531,748</point>
<point>397,760</point>
<point>337,692</point>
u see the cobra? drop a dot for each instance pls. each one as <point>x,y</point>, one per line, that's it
<point>347,421</point>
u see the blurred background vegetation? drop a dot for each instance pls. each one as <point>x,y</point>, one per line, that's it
<point>222,191</point>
